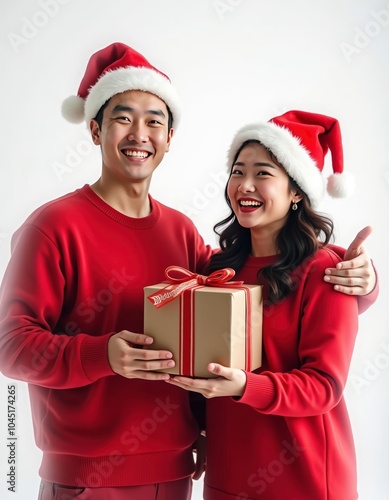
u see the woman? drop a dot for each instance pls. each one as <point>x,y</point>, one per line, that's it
<point>283,432</point>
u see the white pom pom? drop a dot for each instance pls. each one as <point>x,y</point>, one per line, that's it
<point>73,109</point>
<point>341,185</point>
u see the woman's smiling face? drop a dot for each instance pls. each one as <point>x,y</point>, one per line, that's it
<point>259,190</point>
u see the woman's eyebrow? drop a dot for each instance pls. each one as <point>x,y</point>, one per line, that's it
<point>256,164</point>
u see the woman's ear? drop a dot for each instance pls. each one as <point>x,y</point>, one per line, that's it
<point>297,196</point>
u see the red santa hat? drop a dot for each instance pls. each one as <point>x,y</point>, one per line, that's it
<point>300,140</point>
<point>113,70</point>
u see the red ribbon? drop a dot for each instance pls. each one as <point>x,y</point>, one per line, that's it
<point>187,280</point>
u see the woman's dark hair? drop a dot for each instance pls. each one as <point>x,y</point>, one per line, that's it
<point>304,232</point>
<point>100,115</point>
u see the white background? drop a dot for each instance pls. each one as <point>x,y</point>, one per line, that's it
<point>233,62</point>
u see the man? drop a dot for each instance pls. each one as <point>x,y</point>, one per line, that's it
<point>72,300</point>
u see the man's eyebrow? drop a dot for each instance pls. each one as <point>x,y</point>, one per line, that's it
<point>120,108</point>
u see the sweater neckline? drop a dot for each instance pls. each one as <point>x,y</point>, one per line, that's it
<point>261,261</point>
<point>131,222</point>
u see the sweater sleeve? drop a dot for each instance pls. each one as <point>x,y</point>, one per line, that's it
<point>31,302</point>
<point>364,301</point>
<point>328,327</point>
<point>203,252</point>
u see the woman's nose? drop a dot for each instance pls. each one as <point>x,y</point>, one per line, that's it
<point>246,186</point>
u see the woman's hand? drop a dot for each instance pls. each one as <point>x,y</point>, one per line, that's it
<point>230,382</point>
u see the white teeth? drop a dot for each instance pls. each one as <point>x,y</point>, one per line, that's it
<point>250,203</point>
<point>136,154</point>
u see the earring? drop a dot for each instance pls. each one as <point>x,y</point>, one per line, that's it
<point>294,206</point>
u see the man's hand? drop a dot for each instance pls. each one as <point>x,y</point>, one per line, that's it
<point>200,448</point>
<point>128,357</point>
<point>355,275</point>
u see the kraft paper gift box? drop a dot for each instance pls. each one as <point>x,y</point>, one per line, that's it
<point>201,324</point>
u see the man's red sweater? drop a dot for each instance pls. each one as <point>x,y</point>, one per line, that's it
<point>77,270</point>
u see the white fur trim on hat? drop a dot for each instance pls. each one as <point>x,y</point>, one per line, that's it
<point>131,78</point>
<point>341,185</point>
<point>289,152</point>
<point>73,109</point>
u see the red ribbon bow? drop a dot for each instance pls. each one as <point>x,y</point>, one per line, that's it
<point>187,280</point>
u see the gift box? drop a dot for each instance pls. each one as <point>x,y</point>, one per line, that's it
<point>204,319</point>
